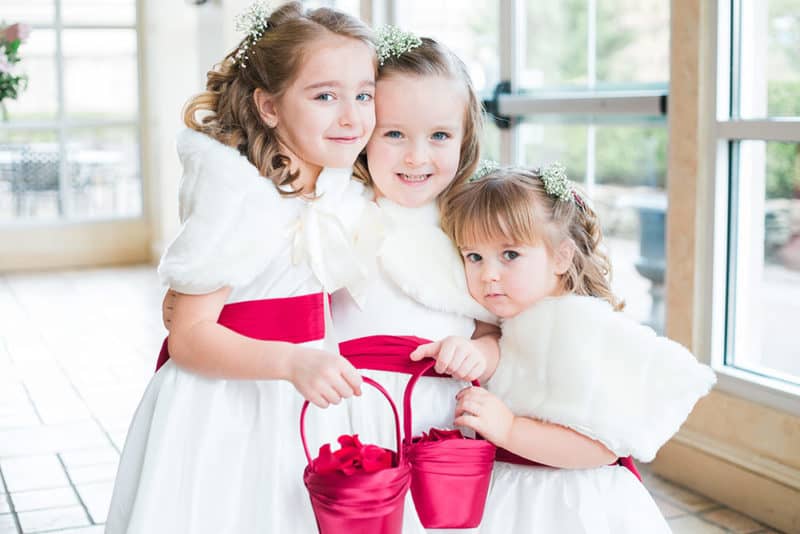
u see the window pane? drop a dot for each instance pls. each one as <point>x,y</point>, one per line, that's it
<point>113,93</point>
<point>769,67</point>
<point>622,169</point>
<point>97,12</point>
<point>490,142</point>
<point>765,289</point>
<point>587,43</point>
<point>468,28</point>
<point>103,173</point>
<point>37,60</point>
<point>29,171</point>
<point>29,11</point>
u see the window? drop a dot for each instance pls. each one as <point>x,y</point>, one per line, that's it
<point>587,86</point>
<point>70,150</point>
<point>757,169</point>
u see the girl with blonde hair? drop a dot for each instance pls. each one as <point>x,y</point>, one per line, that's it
<point>578,385</point>
<point>426,141</point>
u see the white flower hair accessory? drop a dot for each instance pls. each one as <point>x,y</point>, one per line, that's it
<point>486,166</point>
<point>253,21</point>
<point>556,183</point>
<point>394,42</point>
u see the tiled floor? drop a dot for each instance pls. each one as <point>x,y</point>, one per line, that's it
<point>76,351</point>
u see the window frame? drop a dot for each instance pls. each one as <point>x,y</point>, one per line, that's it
<point>715,227</point>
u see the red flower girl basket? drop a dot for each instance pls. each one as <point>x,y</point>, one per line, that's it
<point>362,491</point>
<point>450,473</point>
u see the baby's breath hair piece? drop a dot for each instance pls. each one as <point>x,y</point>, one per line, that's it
<point>394,42</point>
<point>485,166</point>
<point>556,183</point>
<point>253,21</point>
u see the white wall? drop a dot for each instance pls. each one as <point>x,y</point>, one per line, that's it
<point>179,43</point>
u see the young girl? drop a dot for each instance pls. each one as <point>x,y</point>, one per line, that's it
<point>268,210</point>
<point>426,140</point>
<point>577,384</point>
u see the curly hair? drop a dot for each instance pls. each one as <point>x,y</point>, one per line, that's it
<point>435,59</point>
<point>227,110</point>
<point>511,204</point>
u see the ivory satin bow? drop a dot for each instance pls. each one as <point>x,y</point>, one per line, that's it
<point>321,235</point>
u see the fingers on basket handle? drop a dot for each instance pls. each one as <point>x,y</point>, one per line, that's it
<point>377,386</point>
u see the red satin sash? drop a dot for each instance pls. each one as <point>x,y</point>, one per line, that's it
<point>390,353</point>
<point>508,457</point>
<point>293,319</point>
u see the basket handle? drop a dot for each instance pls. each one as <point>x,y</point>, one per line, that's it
<point>380,388</point>
<point>425,366</point>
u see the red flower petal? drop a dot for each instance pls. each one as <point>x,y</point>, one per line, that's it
<point>375,458</point>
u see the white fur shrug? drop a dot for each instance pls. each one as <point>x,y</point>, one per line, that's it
<point>573,361</point>
<point>234,222</point>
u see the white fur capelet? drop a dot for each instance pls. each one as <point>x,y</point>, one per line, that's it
<point>234,222</point>
<point>422,261</point>
<point>574,361</point>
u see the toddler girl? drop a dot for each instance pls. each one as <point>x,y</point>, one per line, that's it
<point>578,385</point>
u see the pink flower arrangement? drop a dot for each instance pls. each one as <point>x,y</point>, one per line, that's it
<point>11,84</point>
<point>16,31</point>
<point>352,458</point>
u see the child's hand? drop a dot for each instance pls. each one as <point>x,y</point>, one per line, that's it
<point>167,305</point>
<point>484,413</point>
<point>456,356</point>
<point>323,378</point>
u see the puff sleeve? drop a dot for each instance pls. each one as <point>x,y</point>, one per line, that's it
<point>233,220</point>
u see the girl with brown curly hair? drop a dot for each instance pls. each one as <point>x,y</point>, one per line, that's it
<point>268,211</point>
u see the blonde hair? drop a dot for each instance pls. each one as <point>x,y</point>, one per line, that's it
<point>511,204</point>
<point>231,116</point>
<point>432,58</point>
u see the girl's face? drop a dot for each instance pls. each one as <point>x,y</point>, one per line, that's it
<point>506,279</point>
<point>414,152</point>
<point>327,114</point>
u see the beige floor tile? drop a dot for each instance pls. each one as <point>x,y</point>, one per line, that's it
<point>690,524</point>
<point>685,499</point>
<point>27,501</point>
<point>33,473</point>
<point>732,521</point>
<point>669,510</point>
<point>7,524</point>
<point>96,529</point>
<point>97,498</point>
<point>93,456</point>
<point>51,439</point>
<point>93,473</point>
<point>53,519</point>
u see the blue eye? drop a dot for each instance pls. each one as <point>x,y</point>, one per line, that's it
<point>440,136</point>
<point>325,97</point>
<point>473,257</point>
<point>393,134</point>
<point>364,97</point>
<point>510,254</point>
